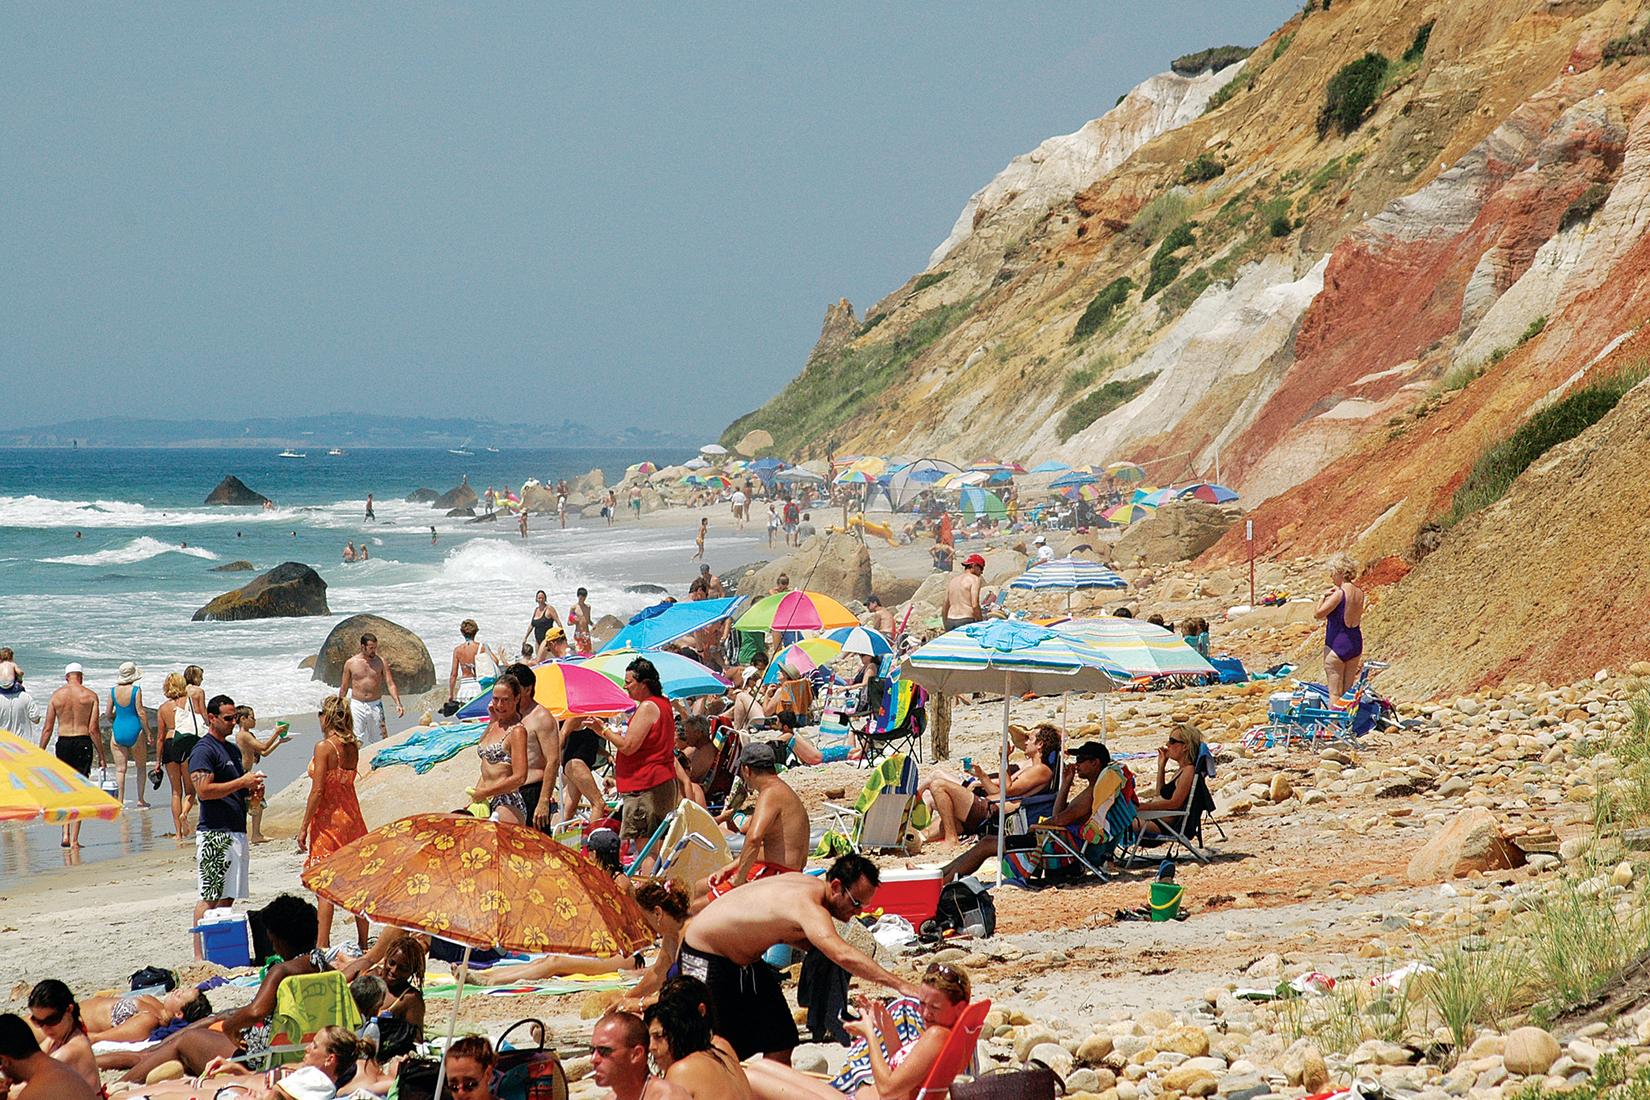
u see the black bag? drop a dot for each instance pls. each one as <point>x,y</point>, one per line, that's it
<point>965,904</point>
<point>529,1074</point>
<point>1035,1082</point>
<point>151,976</point>
<point>415,1080</point>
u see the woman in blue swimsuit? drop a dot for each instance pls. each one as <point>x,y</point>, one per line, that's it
<point>1342,610</point>
<point>128,727</point>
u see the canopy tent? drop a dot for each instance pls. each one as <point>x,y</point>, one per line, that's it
<point>906,482</point>
<point>982,503</point>
<point>793,475</point>
<point>1049,468</point>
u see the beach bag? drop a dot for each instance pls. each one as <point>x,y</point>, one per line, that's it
<point>415,1079</point>
<point>1035,1082</point>
<point>529,1074</point>
<point>152,976</point>
<point>966,903</point>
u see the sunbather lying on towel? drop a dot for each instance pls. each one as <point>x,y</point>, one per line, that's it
<point>131,1017</point>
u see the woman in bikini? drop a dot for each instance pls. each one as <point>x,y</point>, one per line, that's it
<point>964,810</point>
<point>1342,612</point>
<point>131,1017</point>
<point>503,752</point>
<point>462,678</point>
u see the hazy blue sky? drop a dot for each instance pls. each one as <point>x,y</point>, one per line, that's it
<point>621,213</point>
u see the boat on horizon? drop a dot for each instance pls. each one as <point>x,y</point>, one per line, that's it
<point>290,453</point>
<point>492,450</point>
<point>337,452</point>
<point>463,449</point>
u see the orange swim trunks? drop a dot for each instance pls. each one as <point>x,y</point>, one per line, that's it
<point>759,870</point>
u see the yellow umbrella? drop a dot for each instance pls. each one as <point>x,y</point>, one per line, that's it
<point>37,786</point>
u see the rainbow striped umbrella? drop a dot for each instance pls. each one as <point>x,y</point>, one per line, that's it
<point>1208,491</point>
<point>796,611</point>
<point>1141,648</point>
<point>717,481</point>
<point>1156,497</point>
<point>1126,471</point>
<point>37,786</point>
<point>854,476</point>
<point>681,677</point>
<point>1082,492</point>
<point>801,657</point>
<point>1128,513</point>
<point>565,689</point>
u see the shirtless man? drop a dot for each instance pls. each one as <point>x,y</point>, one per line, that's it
<point>723,947</point>
<point>962,594</point>
<point>72,713</point>
<point>252,751</point>
<point>776,837</point>
<point>713,584</point>
<point>366,678</point>
<point>618,1061</point>
<point>543,747</point>
<point>882,619</point>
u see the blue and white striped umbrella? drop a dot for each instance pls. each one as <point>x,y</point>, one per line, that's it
<point>1075,477</point>
<point>1068,573</point>
<point>1050,468</point>
<point>1013,657</point>
<point>861,639</point>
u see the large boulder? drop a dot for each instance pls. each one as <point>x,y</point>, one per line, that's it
<point>1001,566</point>
<point>459,496</point>
<point>401,649</point>
<point>232,490</point>
<point>1470,842</point>
<point>422,496</point>
<point>837,565</point>
<point>290,589</point>
<point>234,567</point>
<point>590,485</point>
<point>538,498</point>
<point>891,587</point>
<point>605,628</point>
<point>1178,531</point>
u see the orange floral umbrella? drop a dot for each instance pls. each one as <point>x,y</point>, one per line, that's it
<point>482,884</point>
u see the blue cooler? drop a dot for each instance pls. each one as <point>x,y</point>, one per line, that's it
<point>226,942</point>
<point>780,955</point>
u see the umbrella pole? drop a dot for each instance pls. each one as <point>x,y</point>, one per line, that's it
<point>1002,788</point>
<point>452,1023</point>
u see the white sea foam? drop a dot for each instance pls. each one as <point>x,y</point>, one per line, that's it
<point>139,549</point>
<point>22,512</point>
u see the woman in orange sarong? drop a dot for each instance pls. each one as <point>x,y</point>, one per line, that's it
<point>332,817</point>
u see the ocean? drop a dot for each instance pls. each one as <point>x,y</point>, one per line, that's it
<point>105,554</point>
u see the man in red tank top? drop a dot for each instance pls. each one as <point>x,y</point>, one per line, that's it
<point>643,756</point>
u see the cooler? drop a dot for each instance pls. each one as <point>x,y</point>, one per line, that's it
<point>913,894</point>
<point>226,941</point>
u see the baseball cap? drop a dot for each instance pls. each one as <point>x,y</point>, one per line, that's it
<point>974,559</point>
<point>758,754</point>
<point>1039,540</point>
<point>73,667</point>
<point>307,1083</point>
<point>1090,750</point>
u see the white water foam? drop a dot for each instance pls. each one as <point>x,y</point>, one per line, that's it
<point>38,512</point>
<point>139,549</point>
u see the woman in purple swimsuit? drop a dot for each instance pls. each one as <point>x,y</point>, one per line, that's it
<point>1342,609</point>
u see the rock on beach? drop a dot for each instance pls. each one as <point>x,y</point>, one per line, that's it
<point>400,648</point>
<point>289,590</point>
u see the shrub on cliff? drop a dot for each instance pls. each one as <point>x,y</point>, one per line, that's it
<point>1203,169</point>
<point>1101,307</point>
<point>1418,48</point>
<point>1166,265</point>
<point>1585,205</point>
<point>1633,44</point>
<point>1351,93</point>
<point>1110,396</point>
<point>1496,469</point>
<point>1210,60</point>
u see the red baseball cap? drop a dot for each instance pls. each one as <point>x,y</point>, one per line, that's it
<point>974,559</point>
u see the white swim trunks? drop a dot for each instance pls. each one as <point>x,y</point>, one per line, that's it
<point>221,865</point>
<point>369,720</point>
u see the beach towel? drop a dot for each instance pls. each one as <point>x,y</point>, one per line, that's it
<point>444,987</point>
<point>429,747</point>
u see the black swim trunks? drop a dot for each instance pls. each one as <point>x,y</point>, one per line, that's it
<point>77,752</point>
<point>751,1011</point>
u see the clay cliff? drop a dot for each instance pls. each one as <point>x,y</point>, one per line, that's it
<point>1332,275</point>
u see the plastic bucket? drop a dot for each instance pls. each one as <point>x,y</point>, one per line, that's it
<point>1166,900</point>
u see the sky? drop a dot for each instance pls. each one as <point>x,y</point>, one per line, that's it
<point>615,213</point>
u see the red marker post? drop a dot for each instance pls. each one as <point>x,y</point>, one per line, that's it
<point>1249,534</point>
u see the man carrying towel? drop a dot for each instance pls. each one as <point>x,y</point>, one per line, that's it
<point>365,679</point>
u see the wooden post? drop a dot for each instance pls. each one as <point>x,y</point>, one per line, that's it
<point>939,725</point>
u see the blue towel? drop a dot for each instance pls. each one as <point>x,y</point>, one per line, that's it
<point>427,748</point>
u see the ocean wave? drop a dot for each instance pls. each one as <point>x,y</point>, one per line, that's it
<point>37,512</point>
<point>139,549</point>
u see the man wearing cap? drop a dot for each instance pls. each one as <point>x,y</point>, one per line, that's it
<point>1045,552</point>
<point>1088,760</point>
<point>776,836</point>
<point>72,715</point>
<point>962,594</point>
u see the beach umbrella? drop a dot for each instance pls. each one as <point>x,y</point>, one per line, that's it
<point>481,884</point>
<point>1068,575</point>
<point>717,481</point>
<point>1126,471</point>
<point>1139,647</point>
<point>1156,497</point>
<point>1141,493</point>
<point>36,786</point>
<point>696,464</point>
<point>564,689</point>
<point>981,502</point>
<point>875,465</point>
<point>663,623</point>
<point>905,482</point>
<point>1050,468</point>
<point>861,639</point>
<point>1128,513</point>
<point>1209,492</point>
<point>1083,492</point>
<point>801,657</point>
<point>796,611</point>
<point>693,479</point>
<point>1073,479</point>
<point>713,449</point>
<point>854,476</point>
<point>640,469</point>
<point>1013,657</point>
<point>681,677</point>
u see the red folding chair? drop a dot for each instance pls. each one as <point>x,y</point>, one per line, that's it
<point>957,1053</point>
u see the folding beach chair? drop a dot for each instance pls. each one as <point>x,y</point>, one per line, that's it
<point>898,717</point>
<point>719,780</point>
<point>304,1004</point>
<point>1182,828</point>
<point>687,847</point>
<point>1092,842</point>
<point>880,815</point>
<point>957,1055</point>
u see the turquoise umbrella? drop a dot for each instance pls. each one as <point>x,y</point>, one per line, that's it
<point>681,677</point>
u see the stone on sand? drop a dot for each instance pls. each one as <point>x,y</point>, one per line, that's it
<point>1530,1050</point>
<point>1472,841</point>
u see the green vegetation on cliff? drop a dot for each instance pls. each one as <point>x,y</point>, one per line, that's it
<point>839,386</point>
<point>1101,307</point>
<point>1110,396</point>
<point>1351,93</point>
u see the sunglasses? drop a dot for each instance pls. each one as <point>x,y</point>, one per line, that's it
<point>465,1084</point>
<point>51,1020</point>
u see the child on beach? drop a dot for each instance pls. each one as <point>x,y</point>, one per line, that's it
<point>252,751</point>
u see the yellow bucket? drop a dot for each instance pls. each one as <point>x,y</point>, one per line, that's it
<point>1166,900</point>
